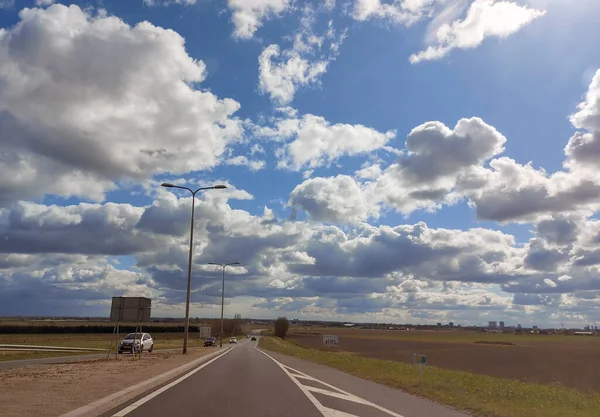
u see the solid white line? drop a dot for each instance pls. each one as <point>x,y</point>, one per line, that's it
<point>148,397</point>
<point>323,409</point>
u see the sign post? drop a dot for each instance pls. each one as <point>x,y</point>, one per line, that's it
<point>420,360</point>
<point>331,340</point>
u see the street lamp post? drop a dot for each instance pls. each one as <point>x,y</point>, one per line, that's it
<point>189,280</point>
<point>222,295</point>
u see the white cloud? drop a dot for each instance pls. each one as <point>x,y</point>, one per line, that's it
<point>164,2</point>
<point>588,115</point>
<point>248,15</point>
<point>301,266</point>
<point>484,18</point>
<point>316,142</point>
<point>282,73</point>
<point>404,12</point>
<point>44,2</point>
<point>6,4</point>
<point>337,200</point>
<point>437,159</point>
<point>241,160</point>
<point>96,105</point>
<point>281,79</point>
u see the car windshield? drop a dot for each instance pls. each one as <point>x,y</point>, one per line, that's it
<point>133,335</point>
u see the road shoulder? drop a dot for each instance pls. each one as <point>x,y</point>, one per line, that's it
<point>400,402</point>
<point>55,389</point>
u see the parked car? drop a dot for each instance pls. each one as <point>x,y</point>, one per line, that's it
<point>136,342</point>
<point>232,340</point>
<point>253,338</point>
<point>210,342</point>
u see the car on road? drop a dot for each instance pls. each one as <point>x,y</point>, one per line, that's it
<point>232,340</point>
<point>210,342</point>
<point>253,338</point>
<point>136,342</point>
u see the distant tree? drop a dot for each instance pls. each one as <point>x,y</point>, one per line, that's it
<point>282,325</point>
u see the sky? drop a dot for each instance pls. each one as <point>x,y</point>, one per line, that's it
<point>404,161</point>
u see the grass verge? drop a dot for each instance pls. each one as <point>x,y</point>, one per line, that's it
<point>481,395</point>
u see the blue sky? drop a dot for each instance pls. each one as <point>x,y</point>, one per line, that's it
<point>376,154</point>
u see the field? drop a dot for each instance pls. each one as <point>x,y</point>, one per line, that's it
<point>572,361</point>
<point>166,340</point>
<point>479,394</point>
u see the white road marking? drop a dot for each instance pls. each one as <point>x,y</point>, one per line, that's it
<point>148,397</point>
<point>341,394</point>
<point>338,413</point>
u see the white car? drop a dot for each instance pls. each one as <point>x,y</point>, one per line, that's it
<point>137,342</point>
<point>232,340</point>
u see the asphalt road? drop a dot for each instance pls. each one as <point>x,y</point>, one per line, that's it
<point>245,381</point>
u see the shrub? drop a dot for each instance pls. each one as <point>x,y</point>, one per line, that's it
<point>282,325</point>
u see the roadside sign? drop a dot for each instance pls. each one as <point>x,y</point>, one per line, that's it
<point>205,332</point>
<point>331,340</point>
<point>420,359</point>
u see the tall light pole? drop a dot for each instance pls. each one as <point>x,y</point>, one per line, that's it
<point>222,295</point>
<point>189,280</point>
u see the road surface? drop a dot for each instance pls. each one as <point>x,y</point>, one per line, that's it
<point>245,381</point>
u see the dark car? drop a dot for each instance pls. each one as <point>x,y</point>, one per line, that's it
<point>210,342</point>
<point>253,338</point>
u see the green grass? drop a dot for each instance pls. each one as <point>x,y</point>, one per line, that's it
<point>481,395</point>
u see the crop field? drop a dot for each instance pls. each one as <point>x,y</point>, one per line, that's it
<point>571,361</point>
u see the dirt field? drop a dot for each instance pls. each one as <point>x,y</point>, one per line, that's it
<point>51,390</point>
<point>571,361</point>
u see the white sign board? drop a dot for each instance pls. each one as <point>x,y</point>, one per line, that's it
<point>331,340</point>
<point>130,309</point>
<point>204,332</point>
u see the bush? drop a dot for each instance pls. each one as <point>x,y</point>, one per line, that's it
<point>282,325</point>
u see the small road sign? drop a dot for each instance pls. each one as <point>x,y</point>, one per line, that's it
<point>420,359</point>
<point>331,340</point>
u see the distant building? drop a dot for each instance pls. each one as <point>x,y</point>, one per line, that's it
<point>439,325</point>
<point>518,326</point>
<point>451,324</point>
<point>492,324</point>
<point>502,325</point>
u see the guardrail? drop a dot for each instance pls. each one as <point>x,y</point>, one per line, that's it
<point>49,348</point>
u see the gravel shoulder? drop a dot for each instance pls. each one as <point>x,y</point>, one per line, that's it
<point>50,390</point>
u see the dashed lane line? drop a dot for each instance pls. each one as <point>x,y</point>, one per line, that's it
<point>295,375</point>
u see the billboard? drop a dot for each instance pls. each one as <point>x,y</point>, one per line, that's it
<point>204,332</point>
<point>130,309</point>
<point>331,340</point>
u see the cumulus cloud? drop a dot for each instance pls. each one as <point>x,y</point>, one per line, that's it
<point>248,15</point>
<point>44,2</point>
<point>282,73</point>
<point>337,200</point>
<point>485,18</point>
<point>315,142</point>
<point>319,269</point>
<point>437,159</point>
<point>588,116</point>
<point>95,105</point>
